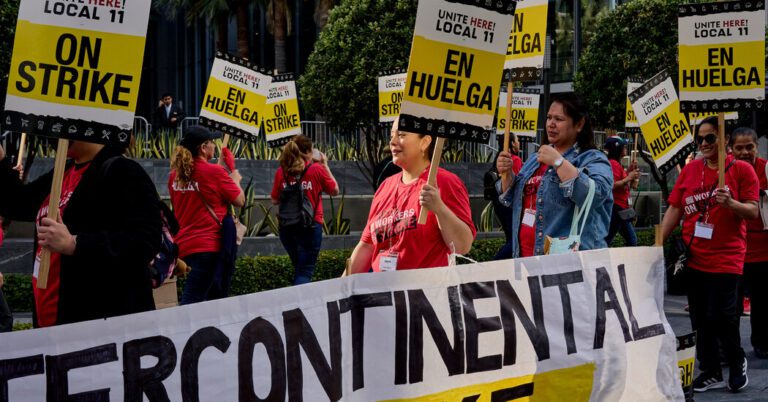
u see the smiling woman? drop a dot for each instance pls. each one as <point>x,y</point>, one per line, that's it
<point>392,239</point>
<point>714,229</point>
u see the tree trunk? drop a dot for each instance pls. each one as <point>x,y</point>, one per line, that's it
<point>322,11</point>
<point>280,29</point>
<point>222,32</point>
<point>243,49</point>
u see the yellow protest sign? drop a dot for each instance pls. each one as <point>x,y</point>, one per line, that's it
<point>524,117</point>
<point>665,129</point>
<point>525,49</point>
<point>281,116</point>
<point>722,56</point>
<point>455,68</point>
<point>391,88</point>
<point>686,358</point>
<point>235,97</point>
<point>630,120</point>
<point>76,69</point>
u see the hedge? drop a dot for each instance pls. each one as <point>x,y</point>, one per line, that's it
<point>260,273</point>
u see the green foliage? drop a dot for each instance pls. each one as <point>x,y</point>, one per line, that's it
<point>337,225</point>
<point>18,292</point>
<point>22,326</point>
<point>8,12</point>
<point>487,217</point>
<point>362,38</point>
<point>638,38</point>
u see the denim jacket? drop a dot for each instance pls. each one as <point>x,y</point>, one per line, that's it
<point>555,201</point>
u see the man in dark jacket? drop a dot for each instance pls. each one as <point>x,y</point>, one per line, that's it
<point>168,114</point>
<point>100,250</point>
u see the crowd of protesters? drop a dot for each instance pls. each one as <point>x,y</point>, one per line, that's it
<point>567,196</point>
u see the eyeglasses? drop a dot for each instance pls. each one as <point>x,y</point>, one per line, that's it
<point>709,138</point>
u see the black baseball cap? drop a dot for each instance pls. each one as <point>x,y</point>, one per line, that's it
<point>196,135</point>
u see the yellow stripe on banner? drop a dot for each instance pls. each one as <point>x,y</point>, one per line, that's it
<point>528,33</point>
<point>389,103</point>
<point>281,117</point>
<point>233,103</point>
<point>686,371</point>
<point>75,67</point>
<point>665,131</point>
<point>452,77</point>
<point>722,67</point>
<point>571,384</point>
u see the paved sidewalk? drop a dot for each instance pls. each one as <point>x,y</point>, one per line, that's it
<point>757,369</point>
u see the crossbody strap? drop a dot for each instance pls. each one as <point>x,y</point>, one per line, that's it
<point>581,214</point>
<point>207,206</point>
<point>706,206</point>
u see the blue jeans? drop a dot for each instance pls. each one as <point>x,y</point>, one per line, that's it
<point>200,279</point>
<point>623,227</point>
<point>303,246</point>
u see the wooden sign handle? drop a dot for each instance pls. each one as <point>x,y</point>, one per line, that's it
<point>721,150</point>
<point>510,93</point>
<point>60,164</point>
<point>432,179</point>
<point>22,144</point>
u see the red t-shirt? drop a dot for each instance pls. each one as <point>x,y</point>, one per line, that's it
<point>517,164</point>
<point>757,238</point>
<point>725,251</point>
<point>620,195</point>
<point>47,300</point>
<point>315,181</point>
<point>392,223</point>
<point>528,233</point>
<point>198,231</point>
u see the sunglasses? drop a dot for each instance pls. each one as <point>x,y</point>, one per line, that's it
<point>709,138</point>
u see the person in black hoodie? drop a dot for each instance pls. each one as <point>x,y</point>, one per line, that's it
<point>109,231</point>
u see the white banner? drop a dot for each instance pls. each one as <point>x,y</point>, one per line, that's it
<point>581,326</point>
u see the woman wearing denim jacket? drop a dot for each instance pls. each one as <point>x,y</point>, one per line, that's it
<point>554,180</point>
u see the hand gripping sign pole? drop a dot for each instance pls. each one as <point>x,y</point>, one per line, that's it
<point>721,150</point>
<point>432,178</point>
<point>53,207</point>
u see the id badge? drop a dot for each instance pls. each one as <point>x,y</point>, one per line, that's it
<point>629,201</point>
<point>704,230</point>
<point>529,217</point>
<point>388,262</point>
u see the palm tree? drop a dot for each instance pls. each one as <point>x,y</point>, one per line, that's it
<point>279,25</point>
<point>209,10</point>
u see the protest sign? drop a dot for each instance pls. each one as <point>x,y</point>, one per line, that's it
<point>527,41</point>
<point>686,358</point>
<point>722,56</point>
<point>665,129</point>
<point>235,98</point>
<point>694,118</point>
<point>630,120</point>
<point>76,68</point>
<point>391,86</point>
<point>281,117</point>
<point>577,327</point>
<point>524,113</point>
<point>455,68</point>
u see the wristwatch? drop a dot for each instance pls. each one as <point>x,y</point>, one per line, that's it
<point>558,162</point>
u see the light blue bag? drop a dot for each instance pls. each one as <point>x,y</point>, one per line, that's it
<point>571,243</point>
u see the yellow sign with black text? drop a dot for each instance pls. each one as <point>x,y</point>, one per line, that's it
<point>664,128</point>
<point>235,98</point>
<point>281,116</point>
<point>524,117</point>
<point>390,96</point>
<point>527,41</point>
<point>455,68</point>
<point>722,56</point>
<point>76,68</point>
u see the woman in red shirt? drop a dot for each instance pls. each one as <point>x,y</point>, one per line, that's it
<point>714,225</point>
<point>392,238</point>
<point>201,193</point>
<point>616,148</point>
<point>755,279</point>
<point>302,242</point>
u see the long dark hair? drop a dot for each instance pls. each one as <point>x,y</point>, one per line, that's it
<point>575,108</point>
